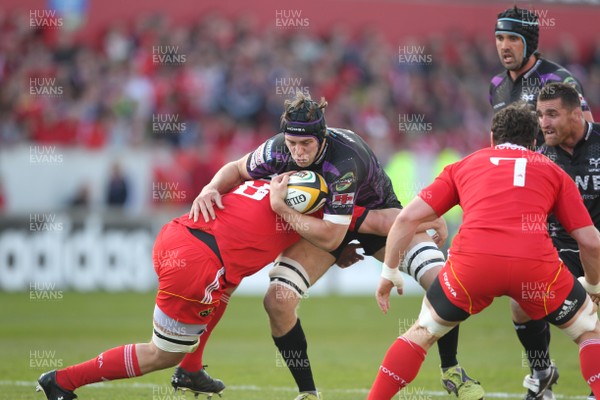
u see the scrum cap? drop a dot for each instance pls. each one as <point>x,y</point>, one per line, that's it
<point>306,120</point>
<point>522,23</point>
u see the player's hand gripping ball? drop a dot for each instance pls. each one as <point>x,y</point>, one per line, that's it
<point>307,192</point>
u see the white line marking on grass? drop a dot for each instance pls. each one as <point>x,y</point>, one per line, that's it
<point>253,388</point>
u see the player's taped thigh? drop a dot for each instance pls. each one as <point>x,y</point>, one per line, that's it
<point>173,336</point>
<point>584,322</point>
<point>443,307</point>
<point>421,258</point>
<point>427,321</point>
<point>290,274</point>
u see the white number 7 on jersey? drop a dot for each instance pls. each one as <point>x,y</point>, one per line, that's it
<point>520,166</point>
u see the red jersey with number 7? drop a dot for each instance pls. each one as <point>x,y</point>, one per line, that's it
<point>506,193</point>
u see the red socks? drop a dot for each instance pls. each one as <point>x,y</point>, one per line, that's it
<point>120,362</point>
<point>192,362</point>
<point>399,367</point>
<point>589,354</point>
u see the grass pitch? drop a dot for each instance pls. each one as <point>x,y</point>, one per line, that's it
<point>347,337</point>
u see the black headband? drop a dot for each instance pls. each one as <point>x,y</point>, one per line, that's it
<point>514,25</point>
<point>309,128</point>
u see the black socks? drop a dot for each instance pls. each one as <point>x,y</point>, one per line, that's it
<point>292,347</point>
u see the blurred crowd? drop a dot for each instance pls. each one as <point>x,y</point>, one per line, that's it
<point>214,89</point>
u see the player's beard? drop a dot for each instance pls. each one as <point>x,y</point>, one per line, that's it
<point>550,140</point>
<point>551,137</point>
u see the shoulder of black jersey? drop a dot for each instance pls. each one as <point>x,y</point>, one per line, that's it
<point>564,75</point>
<point>341,130</point>
<point>274,142</point>
<point>343,134</point>
<point>497,79</point>
<point>278,136</point>
<point>551,66</point>
<point>273,150</point>
<point>548,64</point>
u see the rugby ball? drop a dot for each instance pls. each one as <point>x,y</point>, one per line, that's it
<point>307,192</point>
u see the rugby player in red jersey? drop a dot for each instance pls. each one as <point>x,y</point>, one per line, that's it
<point>497,252</point>
<point>198,264</point>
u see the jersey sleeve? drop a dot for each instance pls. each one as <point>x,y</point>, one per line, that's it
<point>442,194</point>
<point>342,183</point>
<point>269,158</point>
<point>569,208</point>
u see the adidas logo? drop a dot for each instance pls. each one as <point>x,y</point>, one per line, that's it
<point>566,308</point>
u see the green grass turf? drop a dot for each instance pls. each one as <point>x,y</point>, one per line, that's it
<point>348,337</point>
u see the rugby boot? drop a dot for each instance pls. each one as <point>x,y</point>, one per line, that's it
<point>47,384</point>
<point>309,396</point>
<point>455,380</point>
<point>541,388</point>
<point>197,382</point>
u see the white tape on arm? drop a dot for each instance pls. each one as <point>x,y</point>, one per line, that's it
<point>392,274</point>
<point>591,289</point>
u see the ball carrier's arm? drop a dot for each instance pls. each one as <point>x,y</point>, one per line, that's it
<point>323,234</point>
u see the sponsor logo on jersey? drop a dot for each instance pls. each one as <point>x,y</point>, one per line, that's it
<point>258,157</point>
<point>594,162</point>
<point>206,313</point>
<point>583,182</point>
<point>527,97</point>
<point>342,199</point>
<point>589,196</point>
<point>268,147</point>
<point>344,182</point>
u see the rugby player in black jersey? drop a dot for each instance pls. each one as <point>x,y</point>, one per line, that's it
<point>526,72</point>
<point>574,144</point>
<point>354,177</point>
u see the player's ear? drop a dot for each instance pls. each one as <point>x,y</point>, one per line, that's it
<point>577,114</point>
